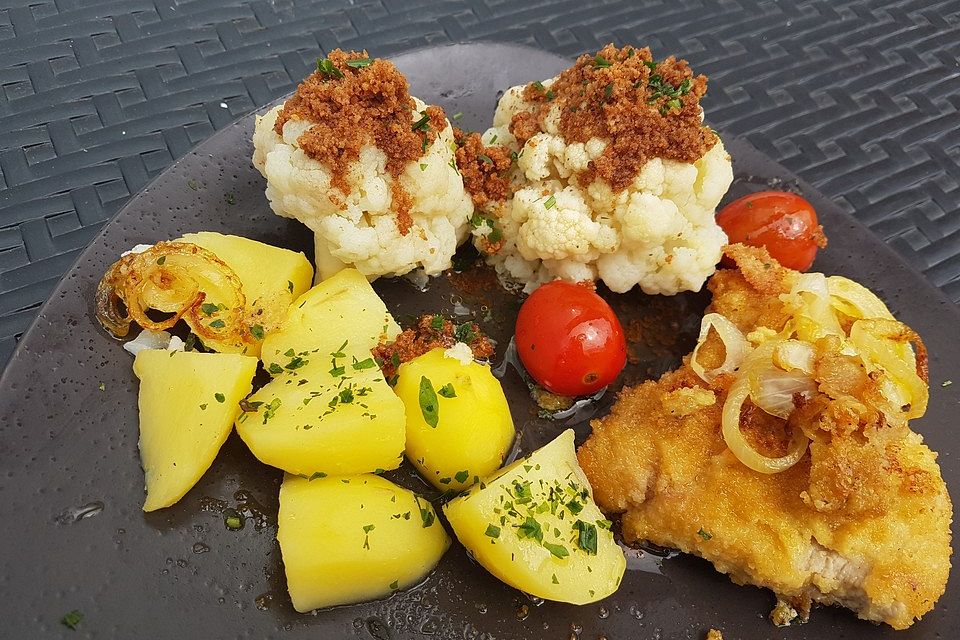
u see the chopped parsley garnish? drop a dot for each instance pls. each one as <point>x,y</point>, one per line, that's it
<point>549,95</point>
<point>423,167</point>
<point>359,63</point>
<point>556,581</point>
<point>492,531</point>
<point>706,535</point>
<point>461,476</point>
<point>257,331</point>
<point>217,324</point>
<point>485,158</point>
<point>249,407</point>
<point>423,124</point>
<point>447,391</point>
<point>290,286</point>
<point>587,537</point>
<point>530,529</point>
<point>600,62</point>
<point>161,260</point>
<point>367,528</point>
<point>71,619</point>
<point>558,550</point>
<point>271,409</point>
<point>369,363</point>
<point>220,397</point>
<point>538,86</point>
<point>203,407</point>
<point>346,396</point>
<point>295,363</point>
<point>550,203</point>
<point>574,507</point>
<point>458,115</point>
<point>426,514</point>
<point>316,476</point>
<point>230,199</point>
<point>275,368</point>
<point>232,520</point>
<point>436,323</point>
<point>209,308</point>
<point>193,184</point>
<point>465,333</point>
<point>608,91</point>
<point>428,402</point>
<point>395,585</point>
<point>326,67</point>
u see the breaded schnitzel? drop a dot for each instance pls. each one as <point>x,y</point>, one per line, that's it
<point>862,519</point>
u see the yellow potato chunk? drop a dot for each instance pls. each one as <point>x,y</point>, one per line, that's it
<point>352,539</point>
<point>188,403</point>
<point>341,314</point>
<point>271,277</point>
<point>535,526</point>
<point>458,421</point>
<point>307,421</point>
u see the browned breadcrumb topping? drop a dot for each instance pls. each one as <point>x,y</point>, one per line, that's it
<point>350,107</point>
<point>643,109</point>
<point>429,333</point>
<point>484,168</point>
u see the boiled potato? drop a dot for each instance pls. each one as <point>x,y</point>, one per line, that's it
<point>271,279</point>
<point>309,422</point>
<point>352,539</point>
<point>188,402</point>
<point>535,526</point>
<point>342,314</point>
<point>469,433</point>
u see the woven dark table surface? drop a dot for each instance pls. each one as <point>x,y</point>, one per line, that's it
<point>858,97</point>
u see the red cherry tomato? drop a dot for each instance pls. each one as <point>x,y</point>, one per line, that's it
<point>569,339</point>
<point>784,223</point>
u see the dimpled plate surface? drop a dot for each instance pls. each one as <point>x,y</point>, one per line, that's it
<point>74,537</point>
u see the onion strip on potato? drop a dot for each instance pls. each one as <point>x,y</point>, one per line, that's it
<point>175,278</point>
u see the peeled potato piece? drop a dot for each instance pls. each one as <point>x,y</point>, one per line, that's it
<point>535,526</point>
<point>472,429</point>
<point>351,539</point>
<point>188,403</point>
<point>351,423</point>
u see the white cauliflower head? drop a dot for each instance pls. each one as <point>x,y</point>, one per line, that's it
<point>363,228</point>
<point>657,232</point>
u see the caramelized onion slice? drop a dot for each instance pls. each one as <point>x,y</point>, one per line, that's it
<point>738,445</point>
<point>881,345</point>
<point>735,346</point>
<point>182,280</point>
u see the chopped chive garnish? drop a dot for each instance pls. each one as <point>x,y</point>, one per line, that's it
<point>550,203</point>
<point>359,63</point>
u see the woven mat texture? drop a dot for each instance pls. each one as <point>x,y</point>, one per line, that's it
<point>859,97</point>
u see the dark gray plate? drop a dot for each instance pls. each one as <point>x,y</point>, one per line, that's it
<point>74,537</point>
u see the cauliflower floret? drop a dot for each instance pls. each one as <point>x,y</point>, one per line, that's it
<point>659,232</point>
<point>360,228</point>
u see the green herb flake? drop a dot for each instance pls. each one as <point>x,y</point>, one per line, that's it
<point>290,286</point>
<point>447,391</point>
<point>461,476</point>
<point>217,324</point>
<point>464,332</point>
<point>275,368</point>
<point>556,581</point>
<point>550,203</point>
<point>395,585</point>
<point>428,402</point>
<point>706,535</point>
<point>257,331</point>
<point>230,199</point>
<point>423,124</point>
<point>325,67</point>
<point>608,91</point>
<point>193,184</point>
<point>369,363</point>
<point>103,387</point>
<point>203,407</point>
<point>530,529</point>
<point>346,396</point>
<point>538,86</point>
<point>557,550</point>
<point>220,397</point>
<point>359,63</point>
<point>600,62</point>
<point>232,520</point>
<point>586,537</point>
<point>161,260</point>
<point>423,167</point>
<point>71,619</point>
<point>209,308</point>
<point>458,115</point>
<point>486,159</point>
<point>436,323</point>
